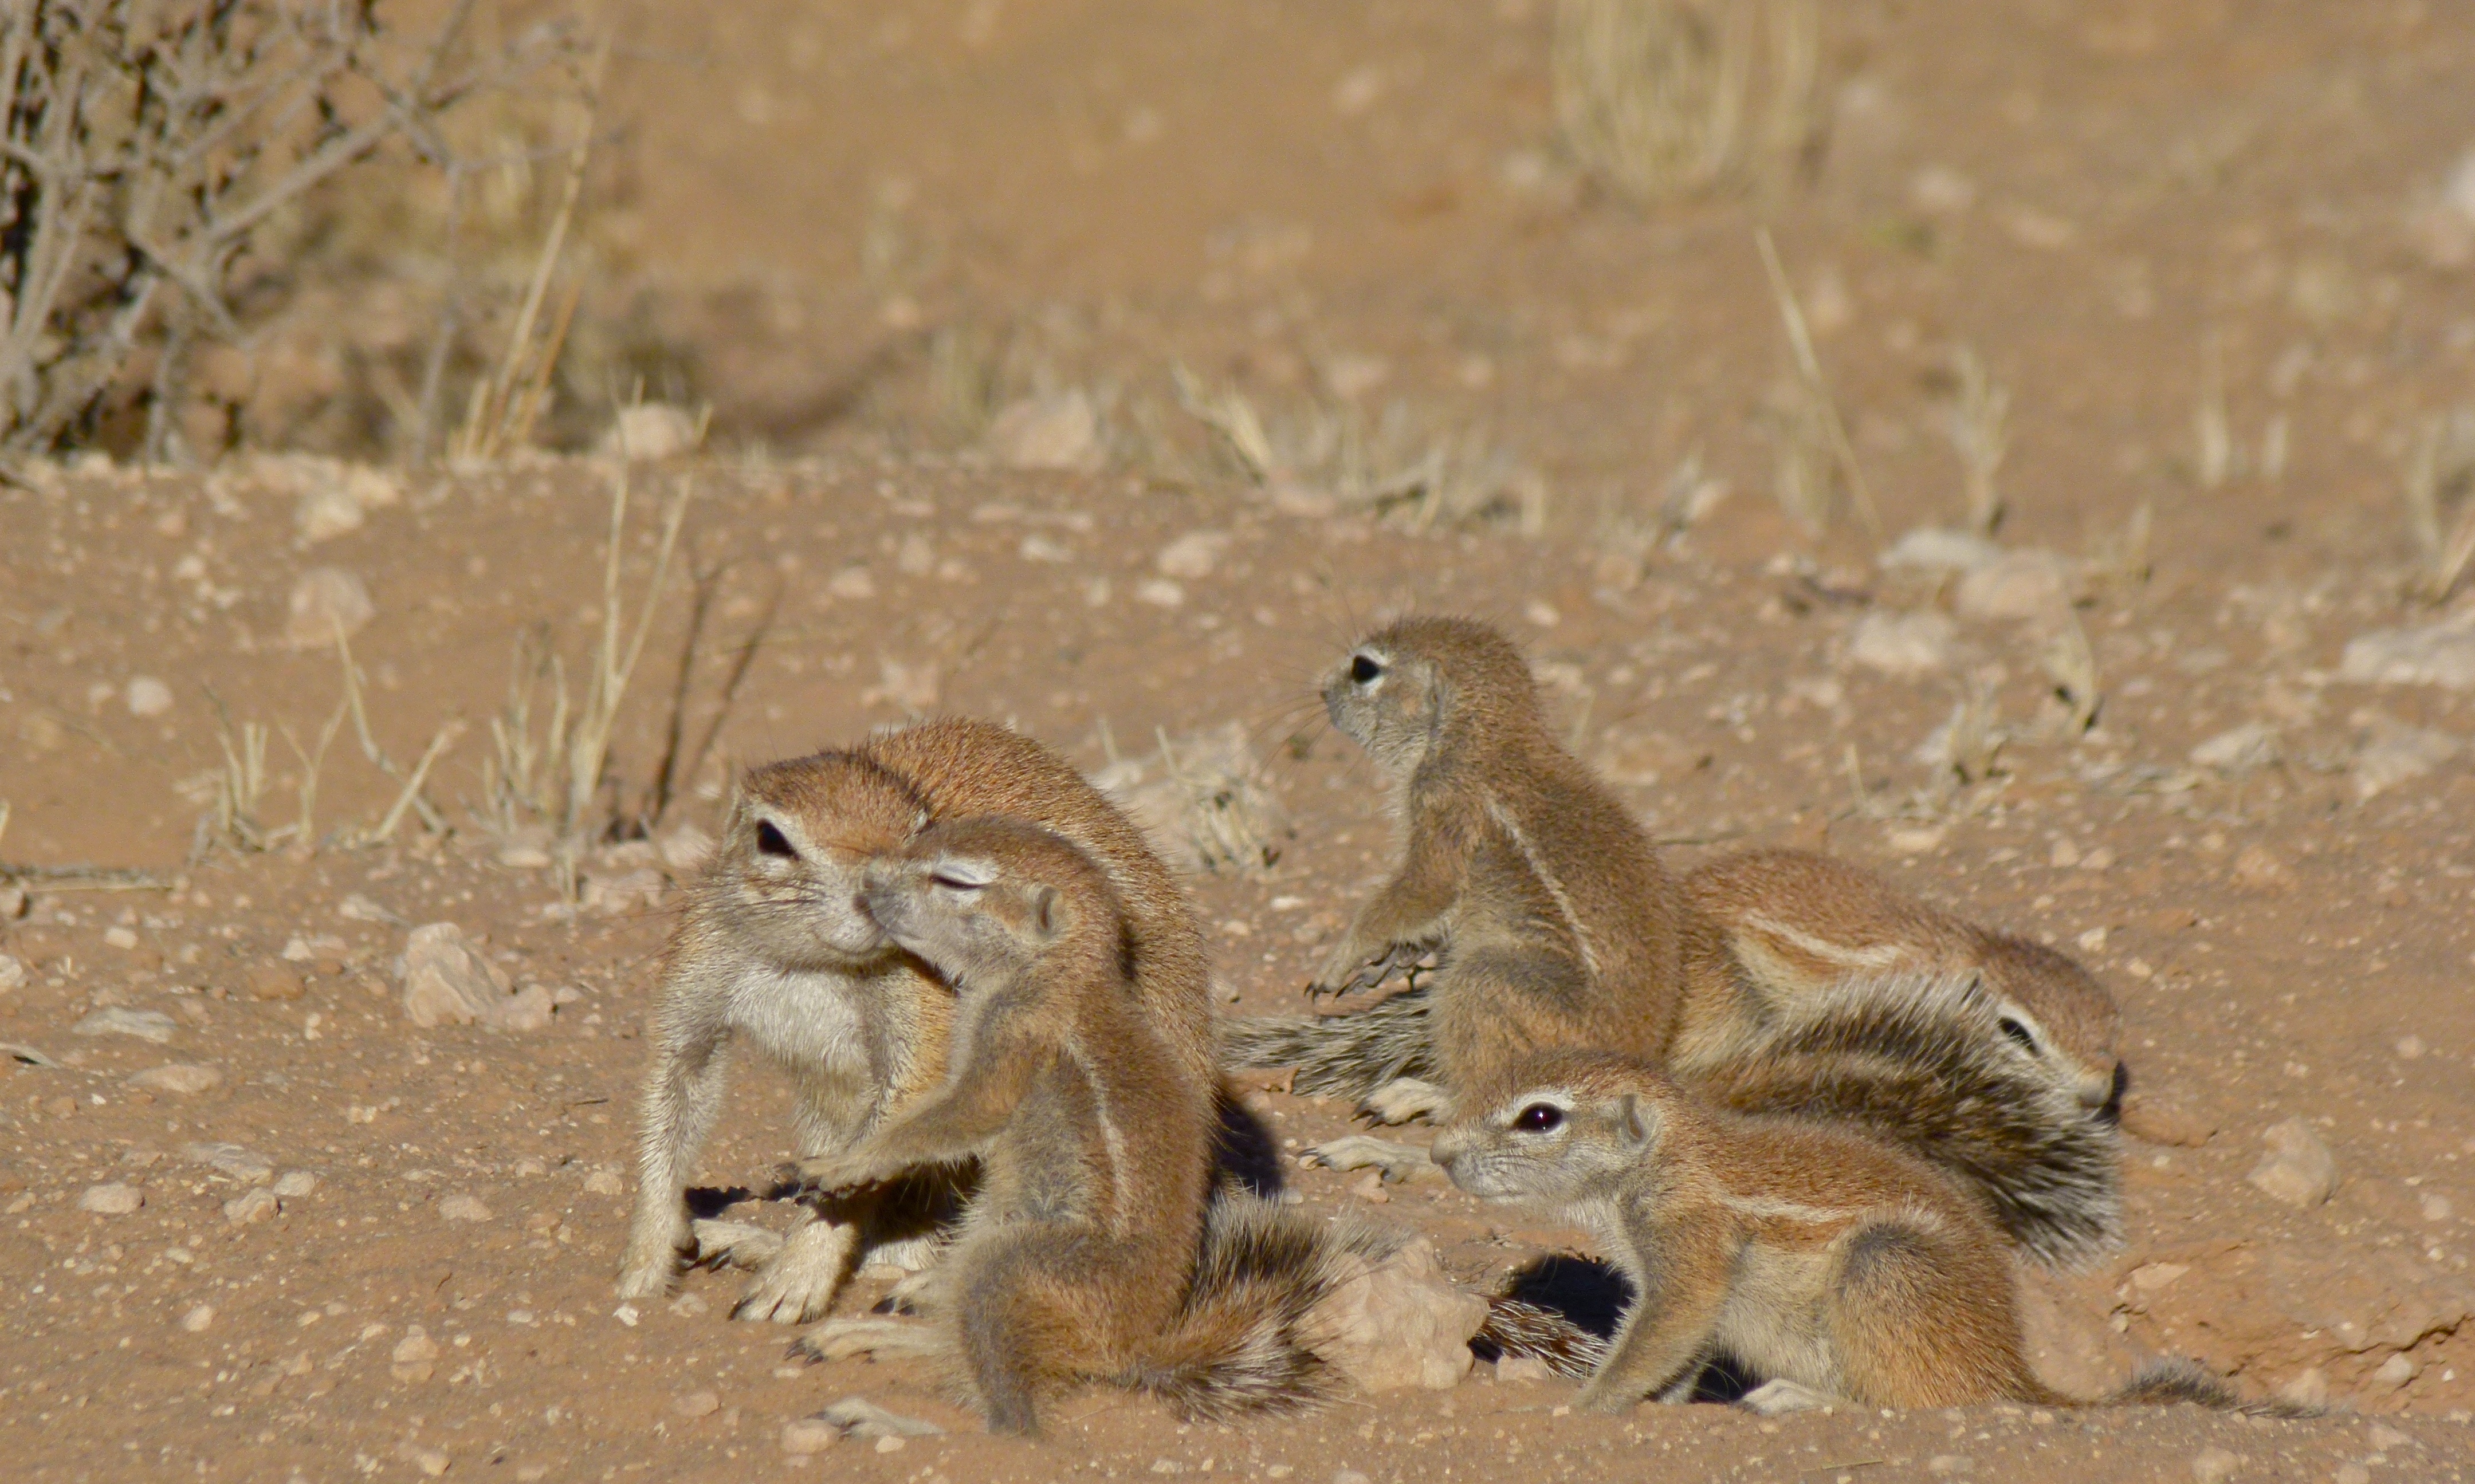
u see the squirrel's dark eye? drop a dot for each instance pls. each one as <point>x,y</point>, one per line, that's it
<point>2018,1033</point>
<point>1364,670</point>
<point>1539,1118</point>
<point>772,841</point>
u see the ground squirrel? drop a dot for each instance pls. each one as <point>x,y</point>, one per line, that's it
<point>1795,923</point>
<point>1821,1263</point>
<point>1542,899</point>
<point>1077,1260</point>
<point>773,948</point>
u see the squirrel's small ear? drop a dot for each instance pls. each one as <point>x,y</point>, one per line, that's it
<point>1047,913</point>
<point>1634,1122</point>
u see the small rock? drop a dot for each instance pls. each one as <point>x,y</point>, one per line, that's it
<point>2307,1388</point>
<point>1398,1323</point>
<point>2151,1276</point>
<point>1903,644</point>
<point>1939,191</point>
<point>180,1079</point>
<point>913,686</point>
<point>1933,550</point>
<point>2214,1466</point>
<point>293,1184</point>
<point>696,1403</point>
<point>526,847</point>
<point>858,1416</point>
<point>853,583</point>
<point>686,849</point>
<point>323,600</point>
<point>604,1181</point>
<point>446,981</point>
<point>1061,431</point>
<point>13,973</point>
<point>1523,1368</point>
<point>463,1208</point>
<point>273,979</point>
<point>251,1207</point>
<point>242,1164</point>
<point>2397,753</point>
<point>2438,654</point>
<point>624,894</point>
<point>356,908</point>
<point>809,1435</point>
<point>2299,1168</point>
<point>528,1008</point>
<point>197,1318</point>
<point>2352,1474</point>
<point>1349,1476</point>
<point>432,1462</point>
<point>650,431</point>
<point>326,512</point>
<point>1192,555</point>
<point>2154,1119</point>
<point>2433,1205</point>
<point>1948,1465</point>
<point>2258,868</point>
<point>2395,1371</point>
<point>147,1025</point>
<point>148,696</point>
<point>1160,593</point>
<point>413,1355</point>
<point>2018,585</point>
<point>2240,751</point>
<point>112,1199</point>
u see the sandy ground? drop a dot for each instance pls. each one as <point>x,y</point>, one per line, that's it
<point>850,212</point>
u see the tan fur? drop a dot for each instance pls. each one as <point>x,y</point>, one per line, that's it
<point>1794,924</point>
<point>773,949</point>
<point>1556,924</point>
<point>1093,1135</point>
<point>1807,1254</point>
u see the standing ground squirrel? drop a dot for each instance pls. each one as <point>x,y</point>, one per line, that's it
<point>772,947</point>
<point>1078,1259</point>
<point>1826,1264</point>
<point>1554,921</point>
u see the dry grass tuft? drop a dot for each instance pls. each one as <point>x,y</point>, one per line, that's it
<point>1977,426</point>
<point>558,774</point>
<point>1328,458</point>
<point>1661,98</point>
<point>1202,798</point>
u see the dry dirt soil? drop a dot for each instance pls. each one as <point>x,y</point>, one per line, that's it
<point>2204,247</point>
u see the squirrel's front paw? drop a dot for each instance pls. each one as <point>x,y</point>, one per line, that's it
<point>1350,966</point>
<point>827,1174</point>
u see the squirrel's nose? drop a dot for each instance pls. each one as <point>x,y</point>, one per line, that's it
<point>1446,1148</point>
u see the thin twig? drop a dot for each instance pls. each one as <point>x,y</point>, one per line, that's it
<point>1808,367</point>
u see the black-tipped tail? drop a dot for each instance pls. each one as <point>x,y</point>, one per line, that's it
<point>2170,1382</point>
<point>1239,1346</point>
<point>1337,1055</point>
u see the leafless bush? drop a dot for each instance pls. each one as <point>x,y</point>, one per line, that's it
<point>1658,98</point>
<point>148,149</point>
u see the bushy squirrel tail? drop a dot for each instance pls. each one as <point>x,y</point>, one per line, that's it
<point>1239,1343</point>
<point>1337,1055</point>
